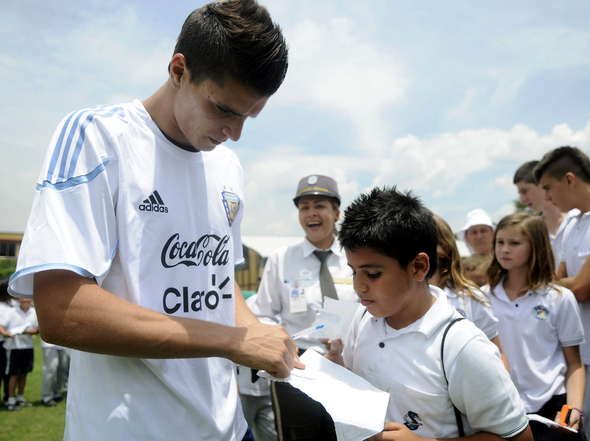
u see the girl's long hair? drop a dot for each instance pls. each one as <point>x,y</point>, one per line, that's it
<point>450,267</point>
<point>541,264</point>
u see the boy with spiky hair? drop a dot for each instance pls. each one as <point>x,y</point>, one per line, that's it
<point>395,341</point>
<point>564,174</point>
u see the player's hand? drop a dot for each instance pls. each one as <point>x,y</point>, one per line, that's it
<point>335,348</point>
<point>574,418</point>
<point>268,348</point>
<point>396,432</point>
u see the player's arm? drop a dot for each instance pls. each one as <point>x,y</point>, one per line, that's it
<point>73,311</point>
<point>399,432</point>
<point>580,284</point>
<point>575,380</point>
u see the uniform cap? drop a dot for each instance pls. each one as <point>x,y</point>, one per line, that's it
<point>317,185</point>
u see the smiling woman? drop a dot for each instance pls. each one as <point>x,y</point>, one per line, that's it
<point>295,283</point>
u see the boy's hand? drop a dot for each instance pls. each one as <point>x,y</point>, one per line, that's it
<point>335,348</point>
<point>396,432</point>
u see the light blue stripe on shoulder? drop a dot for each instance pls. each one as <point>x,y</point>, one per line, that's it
<point>58,145</point>
<point>82,137</point>
<point>76,180</point>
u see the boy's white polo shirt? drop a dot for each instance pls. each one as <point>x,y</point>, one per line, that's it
<point>407,364</point>
<point>557,238</point>
<point>575,251</point>
<point>479,312</point>
<point>18,319</point>
<point>533,330</point>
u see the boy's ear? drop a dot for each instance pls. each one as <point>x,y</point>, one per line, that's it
<point>570,178</point>
<point>420,267</point>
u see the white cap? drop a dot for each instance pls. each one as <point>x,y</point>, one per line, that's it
<point>477,217</point>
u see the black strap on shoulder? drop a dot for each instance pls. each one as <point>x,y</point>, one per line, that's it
<point>442,353</point>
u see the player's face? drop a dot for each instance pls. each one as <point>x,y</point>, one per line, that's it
<point>480,237</point>
<point>383,286</point>
<point>557,191</point>
<point>512,248</point>
<point>25,304</point>
<point>208,113</point>
<point>317,217</point>
<point>531,195</point>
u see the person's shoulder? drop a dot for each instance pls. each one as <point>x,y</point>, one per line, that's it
<point>223,153</point>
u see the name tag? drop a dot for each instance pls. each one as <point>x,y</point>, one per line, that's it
<point>297,301</point>
<point>342,280</point>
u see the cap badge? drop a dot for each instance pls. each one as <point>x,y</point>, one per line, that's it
<point>312,180</point>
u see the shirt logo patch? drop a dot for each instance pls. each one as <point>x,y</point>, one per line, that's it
<point>541,312</point>
<point>412,420</point>
<point>231,203</point>
<point>153,203</point>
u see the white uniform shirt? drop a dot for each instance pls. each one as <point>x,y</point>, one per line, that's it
<point>407,364</point>
<point>19,322</point>
<point>296,270</point>
<point>479,313</point>
<point>6,314</point>
<point>533,330</point>
<point>157,226</point>
<point>575,251</point>
<point>557,238</point>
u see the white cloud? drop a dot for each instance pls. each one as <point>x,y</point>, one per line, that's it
<point>333,67</point>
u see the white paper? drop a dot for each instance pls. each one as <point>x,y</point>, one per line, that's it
<point>336,317</point>
<point>357,407</point>
<point>18,329</point>
<point>548,422</point>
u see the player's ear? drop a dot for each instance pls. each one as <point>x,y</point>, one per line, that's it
<point>176,69</point>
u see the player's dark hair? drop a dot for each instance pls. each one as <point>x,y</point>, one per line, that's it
<point>562,160</point>
<point>234,39</point>
<point>524,173</point>
<point>392,223</point>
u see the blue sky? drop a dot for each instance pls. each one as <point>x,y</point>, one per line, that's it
<point>445,98</point>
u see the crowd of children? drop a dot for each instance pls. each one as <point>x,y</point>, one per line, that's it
<point>18,325</point>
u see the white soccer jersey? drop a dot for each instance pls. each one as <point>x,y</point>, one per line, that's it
<point>158,226</point>
<point>533,330</point>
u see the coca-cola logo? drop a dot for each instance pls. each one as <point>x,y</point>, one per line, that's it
<point>209,249</point>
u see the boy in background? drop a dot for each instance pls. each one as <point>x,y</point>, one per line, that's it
<point>20,352</point>
<point>533,196</point>
<point>564,175</point>
<point>395,341</point>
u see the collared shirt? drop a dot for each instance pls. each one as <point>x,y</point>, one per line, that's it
<point>478,312</point>
<point>557,238</point>
<point>296,268</point>
<point>533,329</point>
<point>575,251</point>
<point>407,364</point>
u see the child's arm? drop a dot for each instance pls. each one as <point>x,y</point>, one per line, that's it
<point>580,284</point>
<point>575,380</point>
<point>399,432</point>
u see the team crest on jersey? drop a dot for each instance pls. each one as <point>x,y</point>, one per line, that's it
<point>541,312</point>
<point>412,420</point>
<point>231,203</point>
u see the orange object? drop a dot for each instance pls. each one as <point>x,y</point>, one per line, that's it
<point>564,414</point>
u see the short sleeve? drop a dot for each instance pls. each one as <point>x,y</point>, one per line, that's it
<point>268,298</point>
<point>349,341</point>
<point>72,222</point>
<point>568,319</point>
<point>477,372</point>
<point>484,318</point>
<point>236,224</point>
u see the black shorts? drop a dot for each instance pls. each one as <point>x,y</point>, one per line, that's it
<point>20,361</point>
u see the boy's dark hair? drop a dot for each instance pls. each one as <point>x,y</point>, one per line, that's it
<point>562,160</point>
<point>392,223</point>
<point>524,173</point>
<point>234,39</point>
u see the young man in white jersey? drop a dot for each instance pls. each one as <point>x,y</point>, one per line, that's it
<point>564,175</point>
<point>533,196</point>
<point>133,237</point>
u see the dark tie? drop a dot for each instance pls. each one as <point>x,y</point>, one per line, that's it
<point>326,283</point>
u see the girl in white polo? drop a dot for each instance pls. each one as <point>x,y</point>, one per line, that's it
<point>462,294</point>
<point>540,323</point>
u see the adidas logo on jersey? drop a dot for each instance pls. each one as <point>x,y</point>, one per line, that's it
<point>153,203</point>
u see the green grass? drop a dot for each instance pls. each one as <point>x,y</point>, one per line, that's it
<point>37,423</point>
